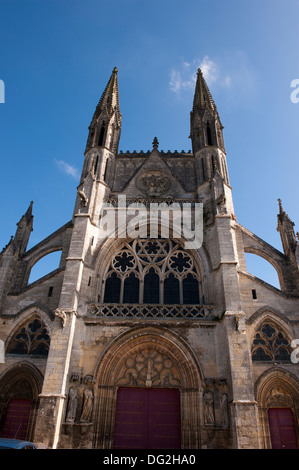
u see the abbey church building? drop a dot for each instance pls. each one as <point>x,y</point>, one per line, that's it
<point>144,337</point>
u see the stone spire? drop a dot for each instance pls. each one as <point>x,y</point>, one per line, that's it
<point>202,96</point>
<point>206,127</point>
<point>109,101</point>
<point>105,127</point>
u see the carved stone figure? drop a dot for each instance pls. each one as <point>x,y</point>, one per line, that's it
<point>61,314</point>
<point>72,405</point>
<point>87,406</point>
<point>209,416</point>
<point>223,410</point>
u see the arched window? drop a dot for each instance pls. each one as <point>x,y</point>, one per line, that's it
<point>270,344</point>
<point>203,170</point>
<point>131,289</point>
<point>102,135</point>
<point>151,288</point>
<point>96,164</point>
<point>190,289</point>
<point>209,134</point>
<point>171,290</point>
<point>32,338</point>
<point>112,289</point>
<point>105,177</point>
<point>152,271</point>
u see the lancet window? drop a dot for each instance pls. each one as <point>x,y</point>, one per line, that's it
<point>156,271</point>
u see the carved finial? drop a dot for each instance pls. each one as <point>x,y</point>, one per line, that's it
<point>280,205</point>
<point>115,70</point>
<point>155,143</point>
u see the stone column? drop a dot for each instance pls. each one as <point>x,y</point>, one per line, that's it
<point>243,406</point>
<point>53,396</point>
<point>244,411</point>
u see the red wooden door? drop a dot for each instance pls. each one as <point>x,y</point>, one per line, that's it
<point>164,420</point>
<point>282,428</point>
<point>16,419</point>
<point>147,419</point>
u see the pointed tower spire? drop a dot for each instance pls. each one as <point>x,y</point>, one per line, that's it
<point>202,95</point>
<point>109,101</point>
<point>104,130</point>
<point>206,134</point>
<point>206,127</point>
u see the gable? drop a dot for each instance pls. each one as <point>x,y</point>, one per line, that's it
<point>154,178</point>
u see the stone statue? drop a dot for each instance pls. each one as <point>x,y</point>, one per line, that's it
<point>72,405</point>
<point>87,406</point>
<point>224,410</point>
<point>209,408</point>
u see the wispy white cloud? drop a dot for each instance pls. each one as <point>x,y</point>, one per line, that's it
<point>209,69</point>
<point>232,72</point>
<point>181,79</point>
<point>67,168</point>
<point>184,77</point>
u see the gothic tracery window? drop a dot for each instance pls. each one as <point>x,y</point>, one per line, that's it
<point>270,344</point>
<point>156,271</point>
<point>32,338</point>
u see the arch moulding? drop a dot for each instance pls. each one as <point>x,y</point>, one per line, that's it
<point>276,388</point>
<point>148,357</point>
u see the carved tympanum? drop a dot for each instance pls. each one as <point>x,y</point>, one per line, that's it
<point>149,367</point>
<point>279,398</point>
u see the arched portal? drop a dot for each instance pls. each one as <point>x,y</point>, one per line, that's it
<point>278,398</point>
<point>138,364</point>
<point>20,386</point>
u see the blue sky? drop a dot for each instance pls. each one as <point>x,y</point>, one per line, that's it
<point>56,57</point>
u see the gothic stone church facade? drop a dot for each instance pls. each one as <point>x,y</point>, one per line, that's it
<point>140,342</point>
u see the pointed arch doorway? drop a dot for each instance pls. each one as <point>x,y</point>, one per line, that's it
<point>148,379</point>
<point>19,389</point>
<point>277,397</point>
